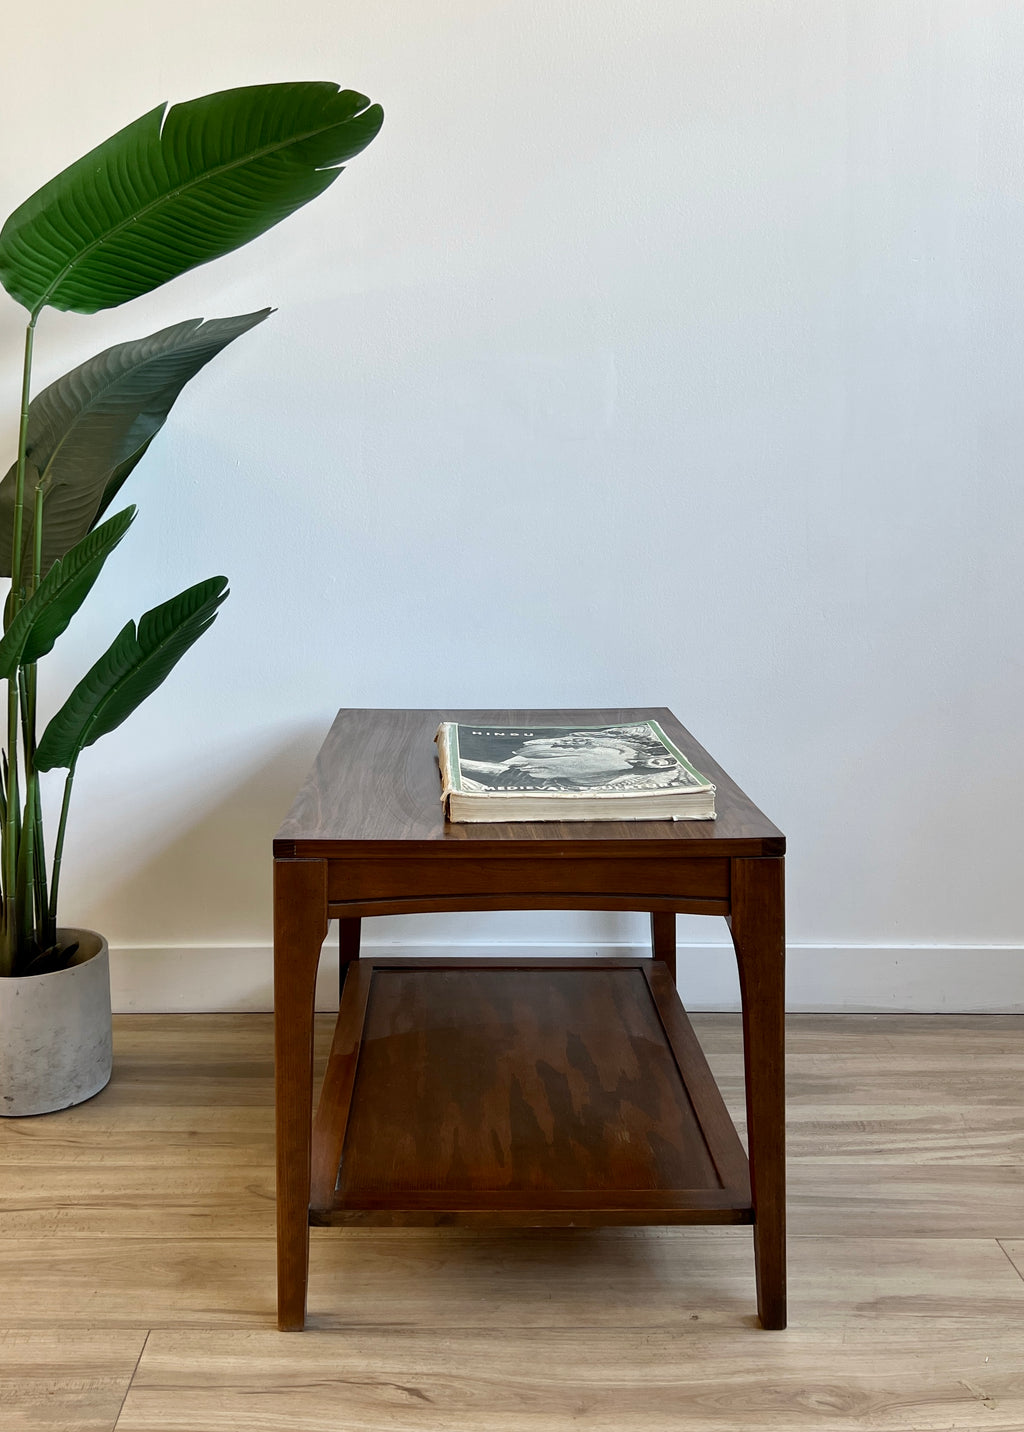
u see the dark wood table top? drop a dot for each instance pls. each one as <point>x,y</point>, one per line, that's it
<point>376,780</point>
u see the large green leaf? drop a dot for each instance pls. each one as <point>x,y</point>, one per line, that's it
<point>87,431</point>
<point>131,669</point>
<point>48,612</point>
<point>177,188</point>
<point>118,478</point>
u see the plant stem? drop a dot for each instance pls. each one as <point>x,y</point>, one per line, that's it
<point>25,949</point>
<point>13,823</point>
<point>58,855</point>
<point>34,809</point>
<point>37,541</point>
<point>39,881</point>
<point>33,801</point>
<point>19,484</point>
<point>11,921</point>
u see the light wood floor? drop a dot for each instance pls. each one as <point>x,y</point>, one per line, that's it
<point>137,1263</point>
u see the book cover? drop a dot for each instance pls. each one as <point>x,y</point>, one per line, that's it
<point>587,772</point>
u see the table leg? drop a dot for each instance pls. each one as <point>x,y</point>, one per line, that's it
<point>663,938</point>
<point>300,926</point>
<point>348,949</point>
<point>757,924</point>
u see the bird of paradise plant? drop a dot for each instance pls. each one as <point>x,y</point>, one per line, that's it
<point>178,187</point>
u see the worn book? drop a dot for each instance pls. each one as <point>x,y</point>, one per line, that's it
<point>625,772</point>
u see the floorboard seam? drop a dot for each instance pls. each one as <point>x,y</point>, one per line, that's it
<point>124,1399</point>
<point>1010,1260</point>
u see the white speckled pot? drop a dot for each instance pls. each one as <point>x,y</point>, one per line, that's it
<point>55,1044</point>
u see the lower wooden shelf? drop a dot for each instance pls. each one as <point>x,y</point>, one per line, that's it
<point>521,1093</point>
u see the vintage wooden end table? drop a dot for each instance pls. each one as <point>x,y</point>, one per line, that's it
<point>519,1092</point>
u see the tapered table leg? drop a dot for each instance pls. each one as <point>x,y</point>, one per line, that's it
<point>300,926</point>
<point>663,938</point>
<point>758,932</point>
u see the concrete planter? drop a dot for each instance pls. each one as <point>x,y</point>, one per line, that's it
<point>55,1044</point>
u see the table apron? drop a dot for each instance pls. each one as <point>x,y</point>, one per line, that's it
<point>540,878</point>
<point>448,904</point>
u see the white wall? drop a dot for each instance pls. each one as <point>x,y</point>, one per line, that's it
<point>654,353</point>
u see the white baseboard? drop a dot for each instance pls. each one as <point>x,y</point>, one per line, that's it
<point>919,979</point>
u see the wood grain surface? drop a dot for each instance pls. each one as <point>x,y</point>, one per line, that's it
<point>906,1263</point>
<point>537,1080</point>
<point>376,779</point>
<point>1014,1250</point>
<point>404,1380</point>
<point>53,1382</point>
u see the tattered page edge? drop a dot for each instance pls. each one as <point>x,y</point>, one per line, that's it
<point>443,738</point>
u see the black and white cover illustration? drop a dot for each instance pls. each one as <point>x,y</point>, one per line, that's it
<point>593,760</point>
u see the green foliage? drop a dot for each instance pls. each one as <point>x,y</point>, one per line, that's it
<point>87,431</point>
<point>48,611</point>
<point>174,189</point>
<point>131,669</point>
<point>177,188</point>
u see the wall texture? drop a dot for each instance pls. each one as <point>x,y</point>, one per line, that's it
<point>655,353</point>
